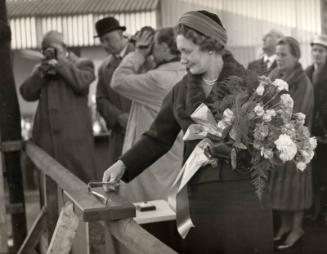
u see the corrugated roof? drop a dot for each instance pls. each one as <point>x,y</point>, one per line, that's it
<point>75,7</point>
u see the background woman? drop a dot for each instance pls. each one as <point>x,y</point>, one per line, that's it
<point>317,72</point>
<point>291,189</point>
<point>227,215</point>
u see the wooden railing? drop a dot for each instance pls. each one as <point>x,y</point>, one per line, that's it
<point>78,208</point>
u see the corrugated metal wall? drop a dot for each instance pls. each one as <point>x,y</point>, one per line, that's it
<point>247,21</point>
<point>77,30</point>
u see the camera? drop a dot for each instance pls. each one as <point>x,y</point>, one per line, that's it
<point>50,53</point>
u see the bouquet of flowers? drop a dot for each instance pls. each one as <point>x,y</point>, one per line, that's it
<point>261,124</point>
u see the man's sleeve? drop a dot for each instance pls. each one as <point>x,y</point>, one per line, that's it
<point>78,74</point>
<point>154,143</point>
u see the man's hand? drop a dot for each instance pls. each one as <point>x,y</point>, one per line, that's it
<point>60,51</point>
<point>144,41</point>
<point>122,120</point>
<point>113,175</point>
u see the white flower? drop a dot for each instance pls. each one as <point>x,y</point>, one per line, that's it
<point>286,147</point>
<point>280,84</point>
<point>301,166</point>
<point>313,142</point>
<point>268,115</point>
<point>267,153</point>
<point>300,118</point>
<point>259,110</point>
<point>287,101</point>
<point>260,90</point>
<point>228,116</point>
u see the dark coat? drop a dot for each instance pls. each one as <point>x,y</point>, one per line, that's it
<point>62,124</point>
<point>110,104</point>
<point>319,127</point>
<point>259,67</point>
<point>219,197</point>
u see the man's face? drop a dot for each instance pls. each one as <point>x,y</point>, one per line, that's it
<point>269,42</point>
<point>112,42</point>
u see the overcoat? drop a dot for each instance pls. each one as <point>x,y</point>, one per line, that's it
<point>62,124</point>
<point>319,125</point>
<point>222,201</point>
<point>147,91</point>
<point>111,104</point>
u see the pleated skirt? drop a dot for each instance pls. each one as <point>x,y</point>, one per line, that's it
<point>228,218</point>
<point>290,188</point>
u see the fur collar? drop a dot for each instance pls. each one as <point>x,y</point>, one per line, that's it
<point>194,94</point>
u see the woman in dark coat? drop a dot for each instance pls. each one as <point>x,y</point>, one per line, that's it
<point>317,72</point>
<point>227,215</point>
<point>291,189</point>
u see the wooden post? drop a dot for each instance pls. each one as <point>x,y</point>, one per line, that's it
<point>3,226</point>
<point>35,234</point>
<point>10,130</point>
<point>65,231</point>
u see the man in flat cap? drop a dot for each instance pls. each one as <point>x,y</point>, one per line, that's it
<point>113,107</point>
<point>267,62</point>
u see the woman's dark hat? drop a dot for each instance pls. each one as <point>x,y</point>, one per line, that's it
<point>107,25</point>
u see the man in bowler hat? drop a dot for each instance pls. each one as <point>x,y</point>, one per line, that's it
<point>113,107</point>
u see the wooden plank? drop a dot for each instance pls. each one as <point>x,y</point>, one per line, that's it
<point>135,238</point>
<point>65,231</point>
<point>91,209</point>
<point>49,166</point>
<point>34,236</point>
<point>3,226</point>
<point>11,146</point>
<point>87,206</point>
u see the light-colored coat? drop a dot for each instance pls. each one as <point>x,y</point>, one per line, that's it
<point>147,91</point>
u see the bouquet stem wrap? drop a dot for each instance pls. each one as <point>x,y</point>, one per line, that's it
<point>178,196</point>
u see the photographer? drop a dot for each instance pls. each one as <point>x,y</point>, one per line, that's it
<point>147,90</point>
<point>62,125</point>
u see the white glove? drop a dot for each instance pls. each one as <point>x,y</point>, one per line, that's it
<point>113,175</point>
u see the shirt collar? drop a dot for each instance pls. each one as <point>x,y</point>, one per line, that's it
<point>122,52</point>
<point>271,58</point>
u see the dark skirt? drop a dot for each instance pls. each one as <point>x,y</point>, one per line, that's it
<point>228,218</point>
<point>290,188</point>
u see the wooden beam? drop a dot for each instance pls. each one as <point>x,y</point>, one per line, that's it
<point>11,146</point>
<point>86,205</point>
<point>65,231</point>
<point>3,226</point>
<point>34,236</point>
<point>91,209</point>
<point>49,166</point>
<point>135,238</point>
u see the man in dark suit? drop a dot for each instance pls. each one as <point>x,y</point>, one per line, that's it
<point>266,63</point>
<point>113,107</point>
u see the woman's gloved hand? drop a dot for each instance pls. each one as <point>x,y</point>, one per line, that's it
<point>219,150</point>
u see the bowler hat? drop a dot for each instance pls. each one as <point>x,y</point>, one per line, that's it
<point>107,25</point>
<point>320,39</point>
